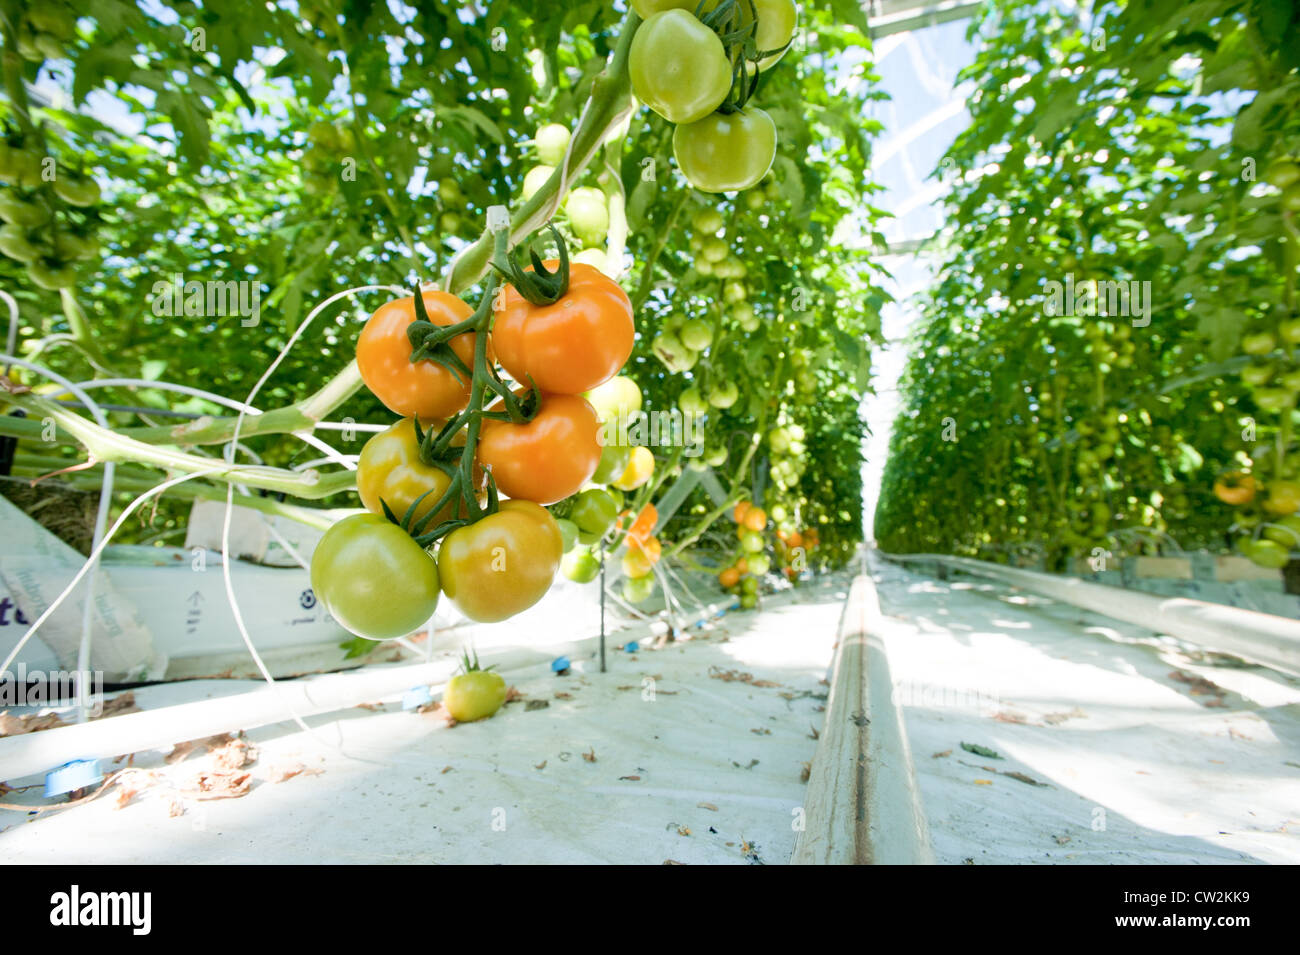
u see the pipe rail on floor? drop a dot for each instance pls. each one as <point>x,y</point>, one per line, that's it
<point>1261,638</point>
<point>862,804</point>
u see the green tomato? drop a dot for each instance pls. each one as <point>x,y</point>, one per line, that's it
<point>568,532</point>
<point>594,511</point>
<point>552,143</point>
<point>1290,331</point>
<point>1268,553</point>
<point>638,589</point>
<point>23,213</point>
<point>580,566</point>
<point>692,402</point>
<point>450,193</point>
<point>724,395</point>
<point>535,178</point>
<point>13,243</point>
<point>749,585</point>
<point>715,250</point>
<point>1283,172</point>
<point>1256,375</point>
<point>668,348</point>
<point>753,542</point>
<point>678,67</point>
<point>726,152</point>
<point>716,457</point>
<point>373,578</point>
<point>778,439</point>
<point>76,190</point>
<point>51,278</point>
<point>696,334</point>
<point>588,214</point>
<point>748,601</point>
<point>743,314</point>
<point>708,222</point>
<point>613,462</point>
<point>759,564</point>
<point>1261,343</point>
<point>1291,197</point>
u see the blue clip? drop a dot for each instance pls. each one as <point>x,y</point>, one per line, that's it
<point>560,664</point>
<point>416,697</point>
<point>632,646</point>
<point>77,774</point>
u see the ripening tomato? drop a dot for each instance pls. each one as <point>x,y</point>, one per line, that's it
<point>422,389</point>
<point>644,525</point>
<point>571,346</point>
<point>547,459</point>
<point>373,578</point>
<point>726,152</point>
<point>639,468</point>
<point>613,462</point>
<point>755,518</point>
<point>638,589</point>
<point>390,469</point>
<point>741,509</point>
<point>503,564</point>
<point>678,67</point>
<point>729,577</point>
<point>475,694</point>
<point>636,563</point>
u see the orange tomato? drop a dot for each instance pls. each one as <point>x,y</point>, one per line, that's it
<point>651,548</point>
<point>644,525</point>
<point>1235,488</point>
<point>755,519</point>
<point>547,459</point>
<point>571,346</point>
<point>424,388</point>
<point>742,566</point>
<point>738,515</point>
<point>794,540</point>
<point>729,577</point>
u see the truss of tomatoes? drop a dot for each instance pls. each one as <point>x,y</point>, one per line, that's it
<point>436,477</point>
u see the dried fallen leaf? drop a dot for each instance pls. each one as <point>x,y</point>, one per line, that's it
<point>672,862</point>
<point>513,694</point>
<point>221,785</point>
<point>946,752</point>
<point>805,773</point>
<point>370,706</point>
<point>124,796</point>
<point>13,387</point>
<point>1025,779</point>
<point>1061,840</point>
<point>590,755</point>
<point>541,765</point>
<point>122,703</point>
<point>706,805</point>
<point>1009,717</point>
<point>635,779</point>
<point>284,773</point>
<point>813,734</point>
<point>761,731</point>
<point>683,830</point>
<point>1055,719</point>
<point>983,782</point>
<point>531,705</point>
<point>561,695</point>
<point>18,725</point>
<point>446,770</point>
<point>175,808</point>
<point>233,756</point>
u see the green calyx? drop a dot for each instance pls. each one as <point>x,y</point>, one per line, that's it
<point>540,286</point>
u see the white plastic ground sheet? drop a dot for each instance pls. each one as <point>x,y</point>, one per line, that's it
<point>1118,751</point>
<point>692,753</point>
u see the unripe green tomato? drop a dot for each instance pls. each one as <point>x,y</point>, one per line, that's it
<point>580,565</point>
<point>588,214</point>
<point>1291,197</point>
<point>613,462</point>
<point>716,457</point>
<point>1283,173</point>
<point>1256,375</point>
<point>450,193</point>
<point>734,292</point>
<point>593,257</point>
<point>707,221</point>
<point>704,267</point>
<point>668,348</point>
<point>692,402</point>
<point>23,213</point>
<point>638,589</point>
<point>778,439</point>
<point>76,190</point>
<point>696,334</point>
<point>759,564</point>
<point>535,178</point>
<point>715,250</point>
<point>552,143</point>
<point>724,395</point>
<point>753,542</point>
<point>14,243</point>
<point>568,532</point>
<point>449,223</point>
<point>749,585</point>
<point>594,511</point>
<point>1290,331</point>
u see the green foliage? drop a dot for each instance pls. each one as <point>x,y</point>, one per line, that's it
<point>1128,148</point>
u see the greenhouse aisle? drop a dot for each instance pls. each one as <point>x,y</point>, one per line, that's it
<point>693,754</point>
<point>1041,733</point>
